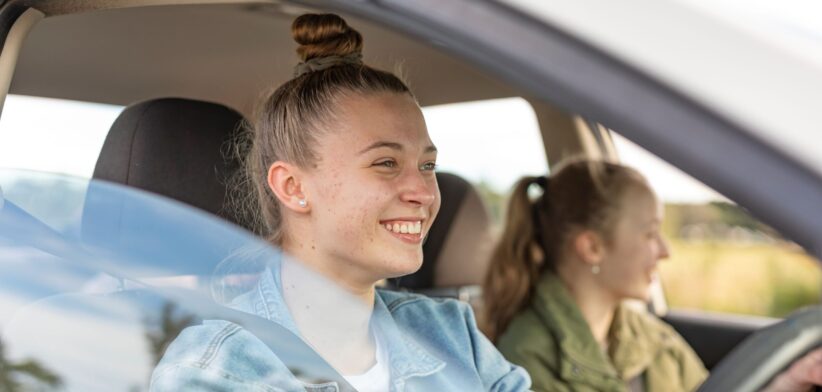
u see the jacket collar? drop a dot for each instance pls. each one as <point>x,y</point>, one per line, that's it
<point>630,350</point>
<point>406,357</point>
<point>633,345</point>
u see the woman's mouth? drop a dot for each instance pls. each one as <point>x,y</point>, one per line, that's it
<point>407,230</point>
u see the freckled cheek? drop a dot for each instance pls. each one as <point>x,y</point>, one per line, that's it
<point>357,218</point>
<point>330,192</point>
<point>358,206</point>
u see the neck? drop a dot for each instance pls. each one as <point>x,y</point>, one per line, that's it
<point>332,320</point>
<point>355,281</point>
<point>596,305</point>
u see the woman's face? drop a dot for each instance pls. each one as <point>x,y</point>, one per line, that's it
<point>631,258</point>
<point>373,193</point>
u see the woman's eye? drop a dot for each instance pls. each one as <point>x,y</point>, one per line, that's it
<point>428,166</point>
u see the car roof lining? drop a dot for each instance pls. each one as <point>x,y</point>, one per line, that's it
<point>255,52</point>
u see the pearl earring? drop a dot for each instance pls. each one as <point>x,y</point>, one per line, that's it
<point>595,269</point>
<point>302,203</point>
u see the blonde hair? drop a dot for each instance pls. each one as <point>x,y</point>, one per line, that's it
<point>288,122</point>
<point>581,194</point>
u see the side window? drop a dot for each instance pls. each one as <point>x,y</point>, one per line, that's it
<point>722,259</point>
<point>490,143</point>
<point>53,135</point>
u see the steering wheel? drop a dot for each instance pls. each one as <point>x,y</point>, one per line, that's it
<point>766,353</point>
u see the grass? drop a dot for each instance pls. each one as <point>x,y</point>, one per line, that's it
<point>759,279</point>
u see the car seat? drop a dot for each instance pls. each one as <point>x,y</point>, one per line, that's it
<point>174,147</point>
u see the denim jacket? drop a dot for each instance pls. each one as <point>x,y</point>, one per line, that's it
<point>432,345</point>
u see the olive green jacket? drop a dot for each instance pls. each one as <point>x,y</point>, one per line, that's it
<point>552,340</point>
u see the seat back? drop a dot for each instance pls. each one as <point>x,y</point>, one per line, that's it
<point>174,147</point>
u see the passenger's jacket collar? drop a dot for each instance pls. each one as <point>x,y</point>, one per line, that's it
<point>628,352</point>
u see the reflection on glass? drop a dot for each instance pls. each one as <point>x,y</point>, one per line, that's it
<point>25,375</point>
<point>160,332</point>
<point>98,292</point>
<point>147,284</point>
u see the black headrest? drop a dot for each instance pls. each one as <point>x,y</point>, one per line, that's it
<point>174,147</point>
<point>453,190</point>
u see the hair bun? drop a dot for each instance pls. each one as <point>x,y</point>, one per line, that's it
<point>324,35</point>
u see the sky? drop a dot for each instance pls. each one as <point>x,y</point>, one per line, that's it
<point>494,141</point>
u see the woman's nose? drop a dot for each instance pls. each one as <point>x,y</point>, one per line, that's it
<point>419,188</point>
<point>664,252</point>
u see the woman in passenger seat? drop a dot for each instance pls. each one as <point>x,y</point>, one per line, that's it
<point>565,263</point>
<point>342,171</point>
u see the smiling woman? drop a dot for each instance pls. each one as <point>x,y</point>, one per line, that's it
<point>372,170</point>
<point>566,262</point>
<point>341,167</point>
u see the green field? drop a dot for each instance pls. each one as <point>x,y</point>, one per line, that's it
<point>758,279</point>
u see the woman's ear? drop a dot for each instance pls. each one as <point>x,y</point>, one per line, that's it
<point>589,246</point>
<point>284,180</point>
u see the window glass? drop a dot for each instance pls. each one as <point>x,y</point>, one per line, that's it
<point>53,135</point>
<point>490,143</point>
<point>722,259</point>
<point>98,313</point>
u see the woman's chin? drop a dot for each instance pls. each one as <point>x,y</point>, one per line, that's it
<point>398,268</point>
<point>639,294</point>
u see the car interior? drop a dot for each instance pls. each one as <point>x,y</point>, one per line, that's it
<point>190,75</point>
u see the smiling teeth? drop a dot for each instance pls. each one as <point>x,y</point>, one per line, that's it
<point>405,228</point>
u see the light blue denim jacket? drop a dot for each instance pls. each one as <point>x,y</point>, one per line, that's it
<point>432,345</point>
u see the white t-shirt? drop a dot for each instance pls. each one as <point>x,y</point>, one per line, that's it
<point>376,379</point>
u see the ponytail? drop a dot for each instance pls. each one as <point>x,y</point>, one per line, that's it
<point>580,194</point>
<point>516,262</point>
